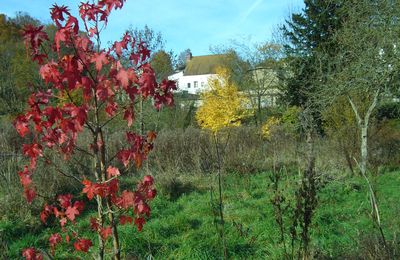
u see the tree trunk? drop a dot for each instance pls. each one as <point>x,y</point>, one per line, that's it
<point>221,206</point>
<point>111,218</point>
<point>259,108</point>
<point>364,149</point>
<point>99,199</point>
<point>363,124</point>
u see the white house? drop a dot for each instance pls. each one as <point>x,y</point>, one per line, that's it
<point>194,78</point>
<point>199,69</point>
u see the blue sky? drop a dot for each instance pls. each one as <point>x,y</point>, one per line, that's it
<point>194,24</point>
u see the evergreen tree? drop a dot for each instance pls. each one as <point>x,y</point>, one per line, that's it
<point>309,45</point>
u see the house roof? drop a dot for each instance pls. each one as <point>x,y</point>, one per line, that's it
<point>200,65</point>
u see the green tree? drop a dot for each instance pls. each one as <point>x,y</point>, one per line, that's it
<point>162,63</point>
<point>154,40</point>
<point>17,71</point>
<point>308,48</point>
<point>367,69</point>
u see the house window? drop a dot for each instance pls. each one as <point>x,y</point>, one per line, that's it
<point>196,84</point>
<point>188,85</point>
<point>202,84</point>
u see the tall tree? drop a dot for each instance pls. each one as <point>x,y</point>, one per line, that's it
<point>162,63</point>
<point>154,40</point>
<point>367,68</point>
<point>56,117</point>
<point>308,46</point>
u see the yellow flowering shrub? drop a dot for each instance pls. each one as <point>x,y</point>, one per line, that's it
<point>269,125</point>
<point>222,104</point>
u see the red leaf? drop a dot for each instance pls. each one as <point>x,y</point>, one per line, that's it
<point>112,171</point>
<point>55,239</point>
<point>110,4</point>
<point>139,222</point>
<point>57,13</point>
<point>65,200</point>
<point>122,77</point>
<point>25,177</point>
<point>118,48</point>
<point>79,113</point>
<point>151,194</point>
<point>31,254</point>
<point>83,245</point>
<point>125,219</point>
<point>30,194</point>
<point>126,200</point>
<point>49,72</point>
<point>47,210</point>
<point>99,59</point>
<point>106,232</point>
<point>104,91</point>
<point>148,180</point>
<point>71,212</point>
<point>60,36</point>
<point>113,187</point>
<point>128,116</point>
<point>21,125</point>
<point>143,208</point>
<point>111,108</point>
<point>124,157</point>
<point>33,151</point>
<point>34,36</point>
<point>79,205</point>
<point>89,189</point>
<point>94,225</point>
<point>63,221</point>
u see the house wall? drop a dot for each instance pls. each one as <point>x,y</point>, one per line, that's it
<point>187,83</point>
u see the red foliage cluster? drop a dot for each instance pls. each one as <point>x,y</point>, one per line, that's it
<point>66,211</point>
<point>31,254</point>
<point>99,77</point>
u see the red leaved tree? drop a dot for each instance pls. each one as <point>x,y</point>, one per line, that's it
<point>107,90</point>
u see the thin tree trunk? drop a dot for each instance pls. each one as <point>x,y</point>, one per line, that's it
<point>98,175</point>
<point>259,108</point>
<point>364,148</point>
<point>141,117</point>
<point>363,123</point>
<point>221,206</point>
<point>111,218</point>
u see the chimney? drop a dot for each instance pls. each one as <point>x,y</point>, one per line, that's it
<point>188,56</point>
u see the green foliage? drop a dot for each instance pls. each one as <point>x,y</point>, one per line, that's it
<point>184,228</point>
<point>388,110</point>
<point>161,62</point>
<point>309,45</point>
<point>291,119</point>
<point>17,72</point>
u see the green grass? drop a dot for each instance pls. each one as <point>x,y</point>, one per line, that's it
<point>184,228</point>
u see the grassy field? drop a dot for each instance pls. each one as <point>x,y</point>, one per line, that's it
<point>182,226</point>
